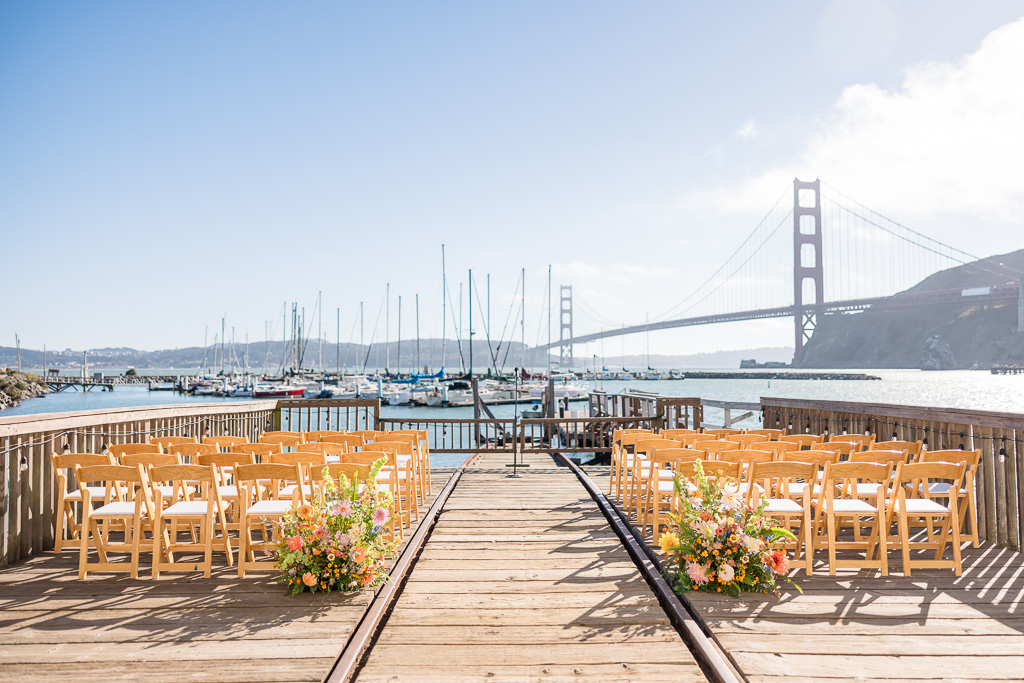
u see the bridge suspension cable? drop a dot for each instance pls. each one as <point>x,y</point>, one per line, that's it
<point>676,308</point>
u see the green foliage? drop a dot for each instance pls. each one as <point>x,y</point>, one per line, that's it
<point>131,372</point>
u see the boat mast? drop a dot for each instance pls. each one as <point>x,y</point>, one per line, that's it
<point>444,312</point>
<point>387,328</point>
<point>548,350</point>
<point>222,344</point>
<point>399,334</point>
<point>337,368</point>
<point>471,323</point>
<point>417,332</point>
<point>522,319</point>
<point>361,334</point>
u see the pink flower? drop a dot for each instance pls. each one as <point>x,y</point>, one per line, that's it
<point>698,573</point>
<point>334,509</point>
<point>777,561</point>
<point>380,515</point>
<point>295,543</point>
<point>342,539</point>
<point>346,509</point>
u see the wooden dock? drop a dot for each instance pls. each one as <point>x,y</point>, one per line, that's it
<point>182,627</point>
<point>860,626</point>
<point>522,580</point>
<point>518,580</point>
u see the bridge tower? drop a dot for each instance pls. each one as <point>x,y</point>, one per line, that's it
<point>565,359</point>
<point>808,275</point>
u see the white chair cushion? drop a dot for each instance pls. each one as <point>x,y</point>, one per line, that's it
<point>96,492</point>
<point>270,507</point>
<point>853,506</point>
<point>115,509</point>
<point>923,506</point>
<point>228,491</point>
<point>186,508</point>
<point>290,489</point>
<point>941,488</point>
<point>783,506</point>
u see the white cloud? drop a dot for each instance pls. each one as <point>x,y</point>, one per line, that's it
<point>748,131</point>
<point>943,148</point>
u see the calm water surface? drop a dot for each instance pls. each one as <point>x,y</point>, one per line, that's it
<point>953,389</point>
<point>979,390</point>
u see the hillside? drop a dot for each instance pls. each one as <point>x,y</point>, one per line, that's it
<point>977,337</point>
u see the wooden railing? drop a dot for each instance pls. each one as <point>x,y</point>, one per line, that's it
<point>28,495</point>
<point>343,414</point>
<point>999,437</point>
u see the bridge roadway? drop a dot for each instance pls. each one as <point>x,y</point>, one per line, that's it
<point>1002,294</point>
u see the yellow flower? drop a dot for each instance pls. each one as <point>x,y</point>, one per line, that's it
<point>668,540</point>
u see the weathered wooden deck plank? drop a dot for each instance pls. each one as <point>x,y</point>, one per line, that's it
<point>859,625</point>
<point>53,626</point>
<point>522,579</point>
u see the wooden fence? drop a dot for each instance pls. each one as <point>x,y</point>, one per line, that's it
<point>999,437</point>
<point>28,496</point>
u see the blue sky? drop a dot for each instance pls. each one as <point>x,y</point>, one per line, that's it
<point>189,160</point>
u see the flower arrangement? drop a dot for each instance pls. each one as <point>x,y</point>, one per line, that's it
<point>719,544</point>
<point>337,541</point>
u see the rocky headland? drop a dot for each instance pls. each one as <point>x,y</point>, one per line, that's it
<point>16,386</point>
<point>934,338</point>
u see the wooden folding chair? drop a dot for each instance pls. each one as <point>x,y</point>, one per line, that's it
<point>282,439</point>
<point>805,440</point>
<point>117,450</point>
<point>967,506</point>
<point>128,504</point>
<point>861,441</point>
<point>674,434</point>
<point>834,506</point>
<point>780,447</point>
<point>388,476</point>
<point>68,527</point>
<point>308,461</point>
<point>641,471</point>
<point>352,441</point>
<point>188,451</point>
<point>204,514</point>
<point>661,489</point>
<point>713,469</point>
<point>918,477</point>
<point>331,451</point>
<point>405,475</point>
<point>623,441</point>
<point>257,507</point>
<point>165,442</point>
<point>259,451</point>
<point>423,444</point>
<point>745,457</point>
<point>406,447</point>
<point>723,433</point>
<point>749,440</point>
<point>912,448</point>
<point>317,435</point>
<point>785,489</point>
<point>224,442</point>
<point>224,464</point>
<point>772,434</point>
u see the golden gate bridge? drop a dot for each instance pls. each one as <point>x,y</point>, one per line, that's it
<point>862,261</point>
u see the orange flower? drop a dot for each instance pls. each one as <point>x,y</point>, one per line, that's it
<point>309,579</point>
<point>305,511</point>
<point>358,554</point>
